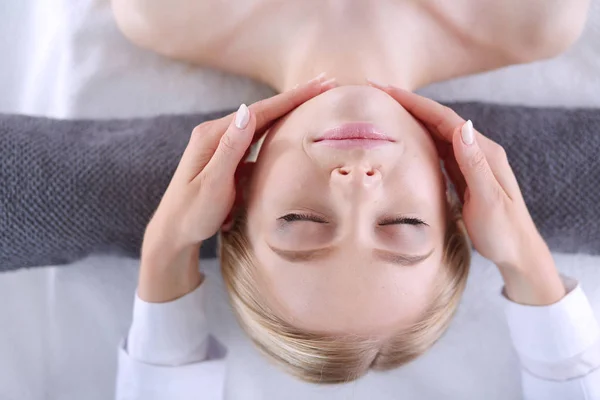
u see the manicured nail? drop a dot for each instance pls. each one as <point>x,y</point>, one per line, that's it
<point>467,133</point>
<point>377,84</point>
<point>242,116</point>
<point>329,84</point>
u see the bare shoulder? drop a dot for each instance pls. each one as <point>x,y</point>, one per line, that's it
<point>252,37</point>
<point>523,30</point>
<point>183,29</point>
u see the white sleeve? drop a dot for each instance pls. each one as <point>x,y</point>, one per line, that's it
<point>559,347</point>
<point>169,353</point>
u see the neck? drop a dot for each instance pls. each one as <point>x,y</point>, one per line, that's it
<point>351,55</point>
<point>348,69</point>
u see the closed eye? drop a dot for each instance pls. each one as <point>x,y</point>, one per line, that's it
<point>293,217</point>
<point>402,221</point>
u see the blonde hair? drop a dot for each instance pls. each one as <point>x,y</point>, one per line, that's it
<point>322,358</point>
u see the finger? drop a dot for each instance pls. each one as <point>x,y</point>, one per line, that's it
<point>269,120</point>
<point>439,119</point>
<point>232,146</point>
<point>430,112</point>
<point>197,154</point>
<point>206,137</point>
<point>497,159</point>
<point>267,110</point>
<point>473,164</point>
<point>267,124</point>
<point>273,108</point>
<point>442,123</point>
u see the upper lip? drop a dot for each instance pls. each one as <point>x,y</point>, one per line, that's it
<point>354,131</point>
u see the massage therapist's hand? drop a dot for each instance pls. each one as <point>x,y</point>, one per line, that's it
<point>494,211</point>
<point>202,193</point>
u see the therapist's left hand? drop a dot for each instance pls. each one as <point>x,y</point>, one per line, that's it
<point>202,191</point>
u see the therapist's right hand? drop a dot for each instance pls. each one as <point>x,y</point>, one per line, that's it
<point>494,211</point>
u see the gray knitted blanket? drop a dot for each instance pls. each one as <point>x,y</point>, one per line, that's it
<point>72,188</point>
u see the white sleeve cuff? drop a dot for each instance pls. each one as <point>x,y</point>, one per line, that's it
<point>138,380</point>
<point>560,341</point>
<point>170,334</point>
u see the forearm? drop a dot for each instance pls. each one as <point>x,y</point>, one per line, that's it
<point>167,271</point>
<point>534,279</point>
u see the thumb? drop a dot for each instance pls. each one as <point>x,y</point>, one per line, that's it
<point>472,161</point>
<point>232,146</point>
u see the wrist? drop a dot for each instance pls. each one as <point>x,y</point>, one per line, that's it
<point>533,279</point>
<point>168,269</point>
<point>161,234</point>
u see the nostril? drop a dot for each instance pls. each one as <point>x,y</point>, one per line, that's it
<point>370,173</point>
<point>343,171</point>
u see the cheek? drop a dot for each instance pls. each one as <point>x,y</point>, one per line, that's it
<point>413,289</point>
<point>280,180</point>
<point>405,238</point>
<point>284,176</point>
<point>422,172</point>
<point>423,161</point>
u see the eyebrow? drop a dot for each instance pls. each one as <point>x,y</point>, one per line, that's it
<point>405,260</point>
<point>302,255</point>
<point>296,256</point>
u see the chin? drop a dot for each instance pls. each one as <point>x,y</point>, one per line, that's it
<point>355,103</point>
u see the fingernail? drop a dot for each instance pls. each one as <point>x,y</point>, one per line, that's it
<point>317,78</point>
<point>329,84</point>
<point>242,116</point>
<point>467,133</point>
<point>377,84</point>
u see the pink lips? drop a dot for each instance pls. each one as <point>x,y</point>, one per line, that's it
<point>354,135</point>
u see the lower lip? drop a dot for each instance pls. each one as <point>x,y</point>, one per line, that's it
<point>354,135</point>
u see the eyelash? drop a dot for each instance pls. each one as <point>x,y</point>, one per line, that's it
<point>303,217</point>
<point>390,221</point>
<point>402,220</point>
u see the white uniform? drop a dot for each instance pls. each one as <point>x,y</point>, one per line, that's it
<point>169,354</point>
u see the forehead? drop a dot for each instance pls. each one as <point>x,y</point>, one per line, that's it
<point>348,293</point>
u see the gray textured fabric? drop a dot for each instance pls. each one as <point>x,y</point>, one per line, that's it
<point>554,154</point>
<point>71,188</point>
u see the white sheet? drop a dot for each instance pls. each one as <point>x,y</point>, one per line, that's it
<point>61,326</point>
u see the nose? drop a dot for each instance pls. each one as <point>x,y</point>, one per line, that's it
<point>357,176</point>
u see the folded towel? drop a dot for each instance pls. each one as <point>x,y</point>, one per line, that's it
<point>554,154</point>
<point>70,188</point>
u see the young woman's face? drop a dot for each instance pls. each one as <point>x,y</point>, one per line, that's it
<point>335,225</point>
